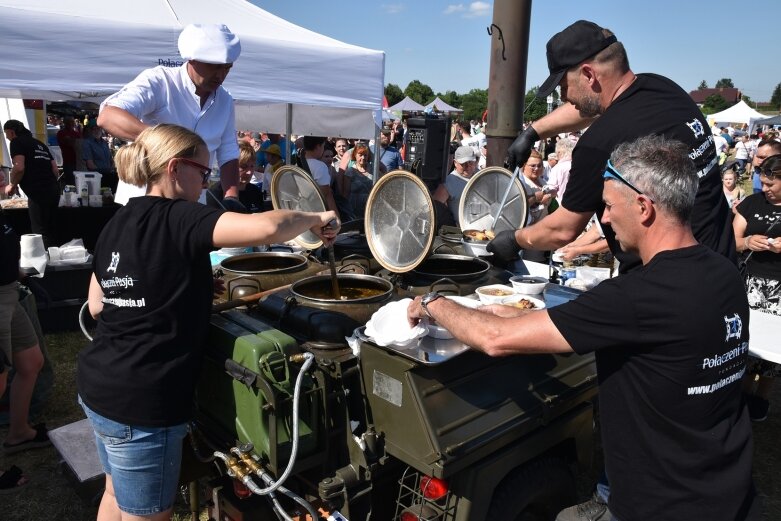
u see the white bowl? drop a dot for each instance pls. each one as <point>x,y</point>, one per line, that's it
<point>476,248</point>
<point>513,300</point>
<point>494,293</point>
<point>528,284</point>
<point>437,331</point>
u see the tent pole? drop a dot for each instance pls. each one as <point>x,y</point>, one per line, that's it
<point>376,165</point>
<point>288,133</point>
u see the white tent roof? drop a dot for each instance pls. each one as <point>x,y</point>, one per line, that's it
<point>737,113</point>
<point>440,106</point>
<point>87,50</point>
<point>407,105</point>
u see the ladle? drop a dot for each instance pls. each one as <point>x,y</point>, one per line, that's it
<point>332,266</point>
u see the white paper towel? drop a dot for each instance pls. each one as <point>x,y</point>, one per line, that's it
<point>33,252</point>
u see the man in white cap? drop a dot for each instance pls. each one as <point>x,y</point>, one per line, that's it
<point>191,96</point>
<point>449,192</point>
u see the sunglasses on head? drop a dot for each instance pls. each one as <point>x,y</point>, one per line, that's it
<point>612,173</point>
<point>769,173</point>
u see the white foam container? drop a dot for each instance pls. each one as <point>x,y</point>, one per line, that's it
<point>90,180</point>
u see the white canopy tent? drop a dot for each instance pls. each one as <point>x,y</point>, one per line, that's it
<point>740,112</point>
<point>437,105</point>
<point>407,105</point>
<point>89,49</point>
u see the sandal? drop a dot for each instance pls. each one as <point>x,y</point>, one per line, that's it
<point>12,480</point>
<point>41,439</point>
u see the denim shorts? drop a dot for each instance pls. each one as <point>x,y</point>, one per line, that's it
<point>143,462</point>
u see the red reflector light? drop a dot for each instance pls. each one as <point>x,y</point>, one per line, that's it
<point>433,488</point>
<point>240,489</point>
<point>409,516</point>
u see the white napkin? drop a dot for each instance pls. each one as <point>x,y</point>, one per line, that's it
<point>33,254</point>
<point>388,326</point>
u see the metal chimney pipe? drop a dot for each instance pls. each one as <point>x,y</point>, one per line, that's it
<point>507,76</point>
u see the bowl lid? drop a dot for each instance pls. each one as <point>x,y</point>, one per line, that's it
<point>482,197</point>
<point>294,189</point>
<point>399,221</point>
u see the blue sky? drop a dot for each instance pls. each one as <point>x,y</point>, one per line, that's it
<point>445,44</point>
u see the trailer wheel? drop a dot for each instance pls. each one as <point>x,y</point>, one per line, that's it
<point>535,492</point>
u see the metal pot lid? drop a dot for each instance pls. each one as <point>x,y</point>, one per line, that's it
<point>294,189</point>
<point>399,221</point>
<point>482,197</point>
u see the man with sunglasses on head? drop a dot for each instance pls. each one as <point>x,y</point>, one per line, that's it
<point>191,96</point>
<point>602,92</point>
<point>670,340</point>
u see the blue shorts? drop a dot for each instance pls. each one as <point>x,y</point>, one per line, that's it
<point>143,462</point>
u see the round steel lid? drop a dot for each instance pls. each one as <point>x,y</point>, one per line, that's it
<point>294,189</point>
<point>399,221</point>
<point>482,197</point>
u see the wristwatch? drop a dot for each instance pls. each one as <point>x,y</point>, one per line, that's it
<point>427,299</point>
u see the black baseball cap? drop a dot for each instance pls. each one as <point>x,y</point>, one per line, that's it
<point>573,45</point>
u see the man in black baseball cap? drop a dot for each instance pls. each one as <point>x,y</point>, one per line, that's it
<point>602,93</point>
<point>573,45</point>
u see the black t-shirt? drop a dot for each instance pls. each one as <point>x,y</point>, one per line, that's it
<point>671,343</point>
<point>760,215</point>
<point>652,105</point>
<point>38,176</point>
<point>152,262</point>
<point>10,251</point>
<point>251,197</point>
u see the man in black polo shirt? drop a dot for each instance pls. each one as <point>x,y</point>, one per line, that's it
<point>600,90</point>
<point>670,340</point>
<point>35,170</point>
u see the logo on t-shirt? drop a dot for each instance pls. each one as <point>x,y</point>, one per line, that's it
<point>114,262</point>
<point>696,127</point>
<point>734,327</point>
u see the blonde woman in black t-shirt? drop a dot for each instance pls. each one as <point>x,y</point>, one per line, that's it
<point>757,226</point>
<point>151,293</point>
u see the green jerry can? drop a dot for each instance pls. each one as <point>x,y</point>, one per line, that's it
<point>245,394</point>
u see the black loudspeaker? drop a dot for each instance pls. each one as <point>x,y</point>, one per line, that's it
<point>427,148</point>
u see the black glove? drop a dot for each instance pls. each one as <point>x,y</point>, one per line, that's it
<point>519,151</point>
<point>232,204</point>
<point>504,247</point>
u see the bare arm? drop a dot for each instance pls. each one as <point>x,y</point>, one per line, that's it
<point>235,229</point>
<point>753,242</point>
<point>55,169</point>
<point>553,231</point>
<point>95,297</point>
<point>328,195</point>
<point>121,123</point>
<point>532,332</point>
<point>566,118</point>
<point>17,170</point>
<point>229,178</point>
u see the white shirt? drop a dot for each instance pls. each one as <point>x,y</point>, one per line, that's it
<point>559,177</point>
<point>475,142</point>
<point>319,172</point>
<point>167,95</point>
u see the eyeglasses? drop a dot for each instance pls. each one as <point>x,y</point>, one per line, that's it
<point>770,174</point>
<point>537,165</point>
<point>205,170</point>
<point>610,171</point>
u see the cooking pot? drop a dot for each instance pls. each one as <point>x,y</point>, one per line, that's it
<point>455,267</point>
<point>255,272</point>
<point>362,295</point>
<point>352,240</point>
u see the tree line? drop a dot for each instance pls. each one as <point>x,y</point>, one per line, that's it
<point>474,102</point>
